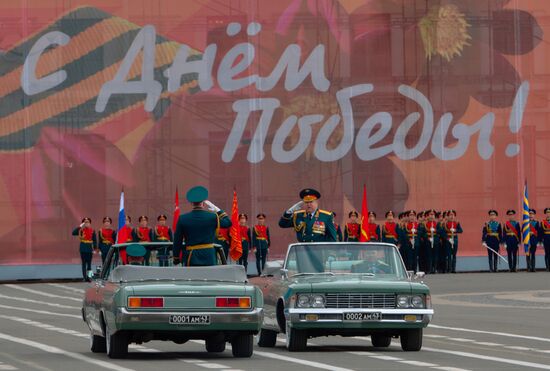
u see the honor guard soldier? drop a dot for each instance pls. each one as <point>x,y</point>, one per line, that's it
<point>261,241</point>
<point>427,231</point>
<point>352,228</point>
<point>339,235</point>
<point>223,238</point>
<point>163,233</point>
<point>544,237</point>
<point>389,232</point>
<point>450,230</point>
<point>534,241</point>
<point>246,239</point>
<point>125,235</point>
<point>410,242</point>
<point>106,237</point>
<point>373,229</point>
<point>143,234</point>
<point>511,238</point>
<point>88,244</point>
<point>310,223</point>
<point>198,228</point>
<point>491,239</point>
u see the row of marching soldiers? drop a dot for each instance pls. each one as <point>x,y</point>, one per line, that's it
<point>256,239</point>
<point>509,236</point>
<point>427,241</point>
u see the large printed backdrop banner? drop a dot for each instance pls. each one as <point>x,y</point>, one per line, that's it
<point>431,103</point>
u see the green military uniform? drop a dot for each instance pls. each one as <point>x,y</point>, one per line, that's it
<point>198,229</point>
<point>315,227</point>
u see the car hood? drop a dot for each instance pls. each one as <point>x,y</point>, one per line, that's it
<point>349,283</point>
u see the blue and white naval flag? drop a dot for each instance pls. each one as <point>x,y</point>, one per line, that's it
<point>525,225</point>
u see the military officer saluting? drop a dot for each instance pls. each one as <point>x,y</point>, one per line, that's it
<point>198,229</point>
<point>310,223</point>
<point>88,244</point>
<point>107,237</point>
<point>261,241</point>
<point>163,233</point>
<point>511,237</point>
<point>352,228</point>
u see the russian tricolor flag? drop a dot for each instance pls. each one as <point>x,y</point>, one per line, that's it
<point>121,219</point>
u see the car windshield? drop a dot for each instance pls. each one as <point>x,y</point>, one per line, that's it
<point>341,258</point>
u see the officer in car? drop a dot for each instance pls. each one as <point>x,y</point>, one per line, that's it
<point>310,223</point>
<point>371,263</point>
<point>198,229</point>
<point>136,254</point>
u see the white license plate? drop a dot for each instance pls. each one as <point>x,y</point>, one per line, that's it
<point>362,317</point>
<point>186,319</point>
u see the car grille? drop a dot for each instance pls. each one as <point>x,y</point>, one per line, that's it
<point>360,300</point>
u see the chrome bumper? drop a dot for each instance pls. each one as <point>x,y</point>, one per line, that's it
<point>298,315</point>
<point>255,316</point>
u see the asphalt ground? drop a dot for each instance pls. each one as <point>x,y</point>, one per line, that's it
<point>483,321</point>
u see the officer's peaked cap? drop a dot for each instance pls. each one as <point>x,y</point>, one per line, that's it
<point>309,194</point>
<point>197,194</point>
<point>135,250</point>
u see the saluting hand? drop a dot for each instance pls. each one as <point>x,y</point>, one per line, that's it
<point>297,206</point>
<point>211,206</point>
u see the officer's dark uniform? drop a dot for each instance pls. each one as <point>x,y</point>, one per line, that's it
<point>315,227</point>
<point>512,237</point>
<point>223,238</point>
<point>198,229</point>
<point>533,241</point>
<point>106,239</point>
<point>261,241</point>
<point>544,237</point>
<point>163,233</point>
<point>88,243</point>
<point>492,237</point>
<point>339,235</point>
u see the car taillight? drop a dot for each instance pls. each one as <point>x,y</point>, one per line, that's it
<point>137,302</point>
<point>234,302</point>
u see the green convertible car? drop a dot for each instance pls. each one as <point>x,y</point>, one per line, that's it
<point>347,289</point>
<point>135,304</point>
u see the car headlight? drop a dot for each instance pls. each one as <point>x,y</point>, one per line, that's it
<point>318,301</point>
<point>304,301</point>
<point>403,301</point>
<point>417,301</point>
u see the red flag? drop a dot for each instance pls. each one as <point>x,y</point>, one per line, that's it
<point>364,236</point>
<point>176,211</point>
<point>236,247</point>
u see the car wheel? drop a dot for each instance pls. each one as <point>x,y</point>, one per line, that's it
<point>117,344</point>
<point>215,346</point>
<point>242,346</point>
<point>411,340</point>
<point>97,344</point>
<point>296,340</point>
<point>267,338</point>
<point>380,341</point>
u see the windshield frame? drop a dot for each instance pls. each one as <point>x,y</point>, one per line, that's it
<point>377,244</point>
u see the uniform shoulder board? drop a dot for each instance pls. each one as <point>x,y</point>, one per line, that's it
<point>299,212</point>
<point>383,263</point>
<point>325,212</point>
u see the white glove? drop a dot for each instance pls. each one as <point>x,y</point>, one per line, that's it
<point>540,244</point>
<point>81,225</point>
<point>211,206</point>
<point>484,245</point>
<point>297,206</point>
<point>453,230</point>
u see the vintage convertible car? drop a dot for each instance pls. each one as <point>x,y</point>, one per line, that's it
<point>347,289</point>
<point>135,304</point>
